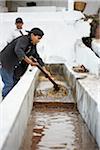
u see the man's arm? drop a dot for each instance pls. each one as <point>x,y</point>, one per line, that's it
<point>43,67</point>
<point>35,54</point>
<point>29,61</point>
<point>20,48</point>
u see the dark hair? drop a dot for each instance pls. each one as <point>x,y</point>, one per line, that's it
<point>36,31</point>
<point>19,20</point>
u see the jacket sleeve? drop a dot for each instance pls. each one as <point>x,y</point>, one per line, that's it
<point>35,54</point>
<point>39,59</point>
<point>20,48</point>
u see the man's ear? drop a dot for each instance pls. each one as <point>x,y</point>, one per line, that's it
<point>32,34</point>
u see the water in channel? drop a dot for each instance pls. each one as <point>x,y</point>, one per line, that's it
<point>55,123</point>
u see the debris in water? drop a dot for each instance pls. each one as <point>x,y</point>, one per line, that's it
<point>52,92</point>
<point>80,68</point>
<point>57,94</point>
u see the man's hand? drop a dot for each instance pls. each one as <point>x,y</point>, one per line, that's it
<point>29,61</point>
<point>33,59</point>
<point>48,73</point>
<point>33,63</point>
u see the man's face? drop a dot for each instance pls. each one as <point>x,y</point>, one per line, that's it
<point>19,25</point>
<point>35,39</point>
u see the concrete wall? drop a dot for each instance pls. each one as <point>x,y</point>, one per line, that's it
<point>57,3</point>
<point>84,55</point>
<point>37,9</point>
<point>86,89</point>
<point>15,110</point>
<point>91,7</point>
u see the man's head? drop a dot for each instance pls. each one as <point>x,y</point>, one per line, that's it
<point>36,35</point>
<point>19,23</point>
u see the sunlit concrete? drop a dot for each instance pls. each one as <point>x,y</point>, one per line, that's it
<point>15,110</point>
<point>86,90</point>
<point>69,6</point>
<point>37,9</point>
<point>96,46</point>
<point>84,55</point>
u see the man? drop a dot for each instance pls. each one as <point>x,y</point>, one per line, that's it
<point>20,49</point>
<point>18,31</point>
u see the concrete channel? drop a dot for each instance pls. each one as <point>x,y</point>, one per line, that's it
<point>55,122</point>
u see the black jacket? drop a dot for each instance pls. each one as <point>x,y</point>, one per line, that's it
<point>16,51</point>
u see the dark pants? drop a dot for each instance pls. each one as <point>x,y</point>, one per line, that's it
<point>7,78</point>
<point>11,78</point>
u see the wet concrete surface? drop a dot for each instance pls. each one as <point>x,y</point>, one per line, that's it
<point>55,123</point>
<point>57,129</point>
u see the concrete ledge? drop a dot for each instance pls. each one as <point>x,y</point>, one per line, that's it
<point>15,110</point>
<point>88,96</point>
<point>37,9</point>
<point>85,56</point>
<point>86,91</point>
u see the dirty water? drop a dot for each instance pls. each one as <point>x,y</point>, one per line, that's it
<point>57,129</point>
<point>55,123</point>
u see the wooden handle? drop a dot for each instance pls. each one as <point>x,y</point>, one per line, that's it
<point>54,83</point>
